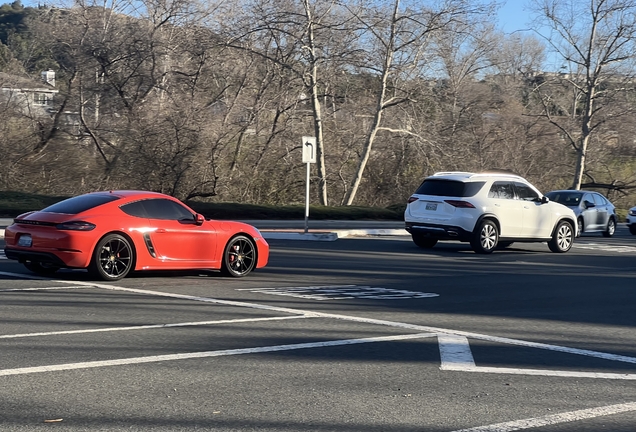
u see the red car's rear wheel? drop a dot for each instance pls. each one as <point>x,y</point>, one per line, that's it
<point>113,258</point>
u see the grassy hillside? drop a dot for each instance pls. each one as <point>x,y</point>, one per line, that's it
<point>15,203</point>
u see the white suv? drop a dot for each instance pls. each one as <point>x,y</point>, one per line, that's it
<point>488,210</point>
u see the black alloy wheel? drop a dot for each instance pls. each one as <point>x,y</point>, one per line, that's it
<point>239,257</point>
<point>113,258</point>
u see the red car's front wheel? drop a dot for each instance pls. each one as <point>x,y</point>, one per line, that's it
<point>239,257</point>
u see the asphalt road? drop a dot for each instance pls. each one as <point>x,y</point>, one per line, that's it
<point>358,334</point>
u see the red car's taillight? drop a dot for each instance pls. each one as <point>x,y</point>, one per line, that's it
<point>76,226</point>
<point>459,203</point>
<point>411,199</point>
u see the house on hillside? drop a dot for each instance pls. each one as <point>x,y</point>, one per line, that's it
<point>31,97</point>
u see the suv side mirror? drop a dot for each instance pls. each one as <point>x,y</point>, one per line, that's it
<point>544,199</point>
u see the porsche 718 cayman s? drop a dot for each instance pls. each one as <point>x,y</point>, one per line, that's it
<point>114,232</point>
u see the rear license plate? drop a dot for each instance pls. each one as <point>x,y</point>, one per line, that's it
<point>25,240</point>
<point>431,206</point>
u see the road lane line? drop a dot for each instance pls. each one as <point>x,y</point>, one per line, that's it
<point>42,288</point>
<point>454,352</point>
<point>554,419</point>
<point>150,326</point>
<point>538,372</point>
<point>414,327</point>
<point>206,354</point>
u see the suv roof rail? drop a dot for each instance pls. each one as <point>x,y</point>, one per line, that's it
<point>441,173</point>
<point>498,174</point>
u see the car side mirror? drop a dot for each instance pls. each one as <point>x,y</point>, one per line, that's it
<point>544,199</point>
<point>199,218</point>
<point>589,204</point>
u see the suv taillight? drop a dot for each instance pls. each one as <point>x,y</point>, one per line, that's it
<point>411,199</point>
<point>459,203</point>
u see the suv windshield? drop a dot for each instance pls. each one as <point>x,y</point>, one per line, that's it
<point>450,188</point>
<point>80,203</point>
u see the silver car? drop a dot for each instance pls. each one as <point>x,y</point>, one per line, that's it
<point>594,212</point>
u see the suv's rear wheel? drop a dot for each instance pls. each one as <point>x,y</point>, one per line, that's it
<point>485,238</point>
<point>562,238</point>
<point>423,242</point>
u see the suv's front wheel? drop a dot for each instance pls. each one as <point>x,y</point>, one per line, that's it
<point>485,237</point>
<point>562,238</point>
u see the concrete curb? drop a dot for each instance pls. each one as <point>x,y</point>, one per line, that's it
<point>329,236</point>
<point>319,236</point>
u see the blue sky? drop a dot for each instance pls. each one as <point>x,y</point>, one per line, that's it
<point>513,16</point>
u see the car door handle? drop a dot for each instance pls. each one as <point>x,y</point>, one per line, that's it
<point>160,230</point>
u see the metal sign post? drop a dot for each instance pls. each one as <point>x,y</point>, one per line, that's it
<point>309,157</point>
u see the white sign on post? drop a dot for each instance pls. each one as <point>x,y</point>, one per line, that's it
<point>309,149</point>
<point>309,157</point>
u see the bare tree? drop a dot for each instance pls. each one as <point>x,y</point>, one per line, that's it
<point>596,40</point>
<point>397,38</point>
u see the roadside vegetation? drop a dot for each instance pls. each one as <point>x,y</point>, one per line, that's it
<point>14,203</point>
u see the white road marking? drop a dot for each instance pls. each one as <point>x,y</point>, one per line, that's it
<point>554,419</point>
<point>205,354</point>
<point>605,247</point>
<point>418,328</point>
<point>455,355</point>
<point>42,288</point>
<point>455,351</point>
<point>149,326</point>
<point>341,292</point>
<point>2,255</point>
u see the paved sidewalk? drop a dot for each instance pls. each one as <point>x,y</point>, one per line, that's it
<point>318,230</point>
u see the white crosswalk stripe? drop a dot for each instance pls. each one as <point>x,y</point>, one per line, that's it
<point>2,255</point>
<point>341,292</point>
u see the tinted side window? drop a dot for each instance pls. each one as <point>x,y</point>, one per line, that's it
<point>80,203</point>
<point>599,199</point>
<point>525,192</point>
<point>136,209</point>
<point>166,209</point>
<point>451,188</point>
<point>501,190</point>
<point>567,198</point>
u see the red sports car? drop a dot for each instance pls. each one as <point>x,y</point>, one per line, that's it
<point>111,233</point>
